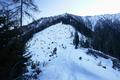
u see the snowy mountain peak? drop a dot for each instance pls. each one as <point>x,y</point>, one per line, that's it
<point>65,14</point>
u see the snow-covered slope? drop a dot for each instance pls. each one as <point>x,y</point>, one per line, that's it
<point>59,60</point>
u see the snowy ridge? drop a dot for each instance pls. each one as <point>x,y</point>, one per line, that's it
<point>54,47</point>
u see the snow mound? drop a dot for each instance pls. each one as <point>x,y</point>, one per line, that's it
<point>54,47</point>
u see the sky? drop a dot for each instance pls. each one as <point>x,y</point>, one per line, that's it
<point>77,7</point>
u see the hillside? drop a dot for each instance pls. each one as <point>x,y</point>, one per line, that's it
<point>102,31</point>
<point>55,56</point>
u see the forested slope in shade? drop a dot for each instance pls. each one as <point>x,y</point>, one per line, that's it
<point>58,58</point>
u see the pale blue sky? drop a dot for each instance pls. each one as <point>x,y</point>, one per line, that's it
<point>78,7</point>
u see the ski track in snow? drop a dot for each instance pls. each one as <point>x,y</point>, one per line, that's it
<point>66,65</point>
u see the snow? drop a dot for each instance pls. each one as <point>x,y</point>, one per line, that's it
<point>68,63</point>
<point>11,28</point>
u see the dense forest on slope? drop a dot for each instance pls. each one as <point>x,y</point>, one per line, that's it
<point>107,36</point>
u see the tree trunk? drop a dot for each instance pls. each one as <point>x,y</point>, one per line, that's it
<point>21,13</point>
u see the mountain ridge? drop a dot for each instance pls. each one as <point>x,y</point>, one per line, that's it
<point>92,30</point>
<point>90,19</point>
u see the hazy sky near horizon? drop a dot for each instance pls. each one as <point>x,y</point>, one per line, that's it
<point>77,7</point>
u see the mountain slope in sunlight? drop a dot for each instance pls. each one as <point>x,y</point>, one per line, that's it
<point>53,48</point>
